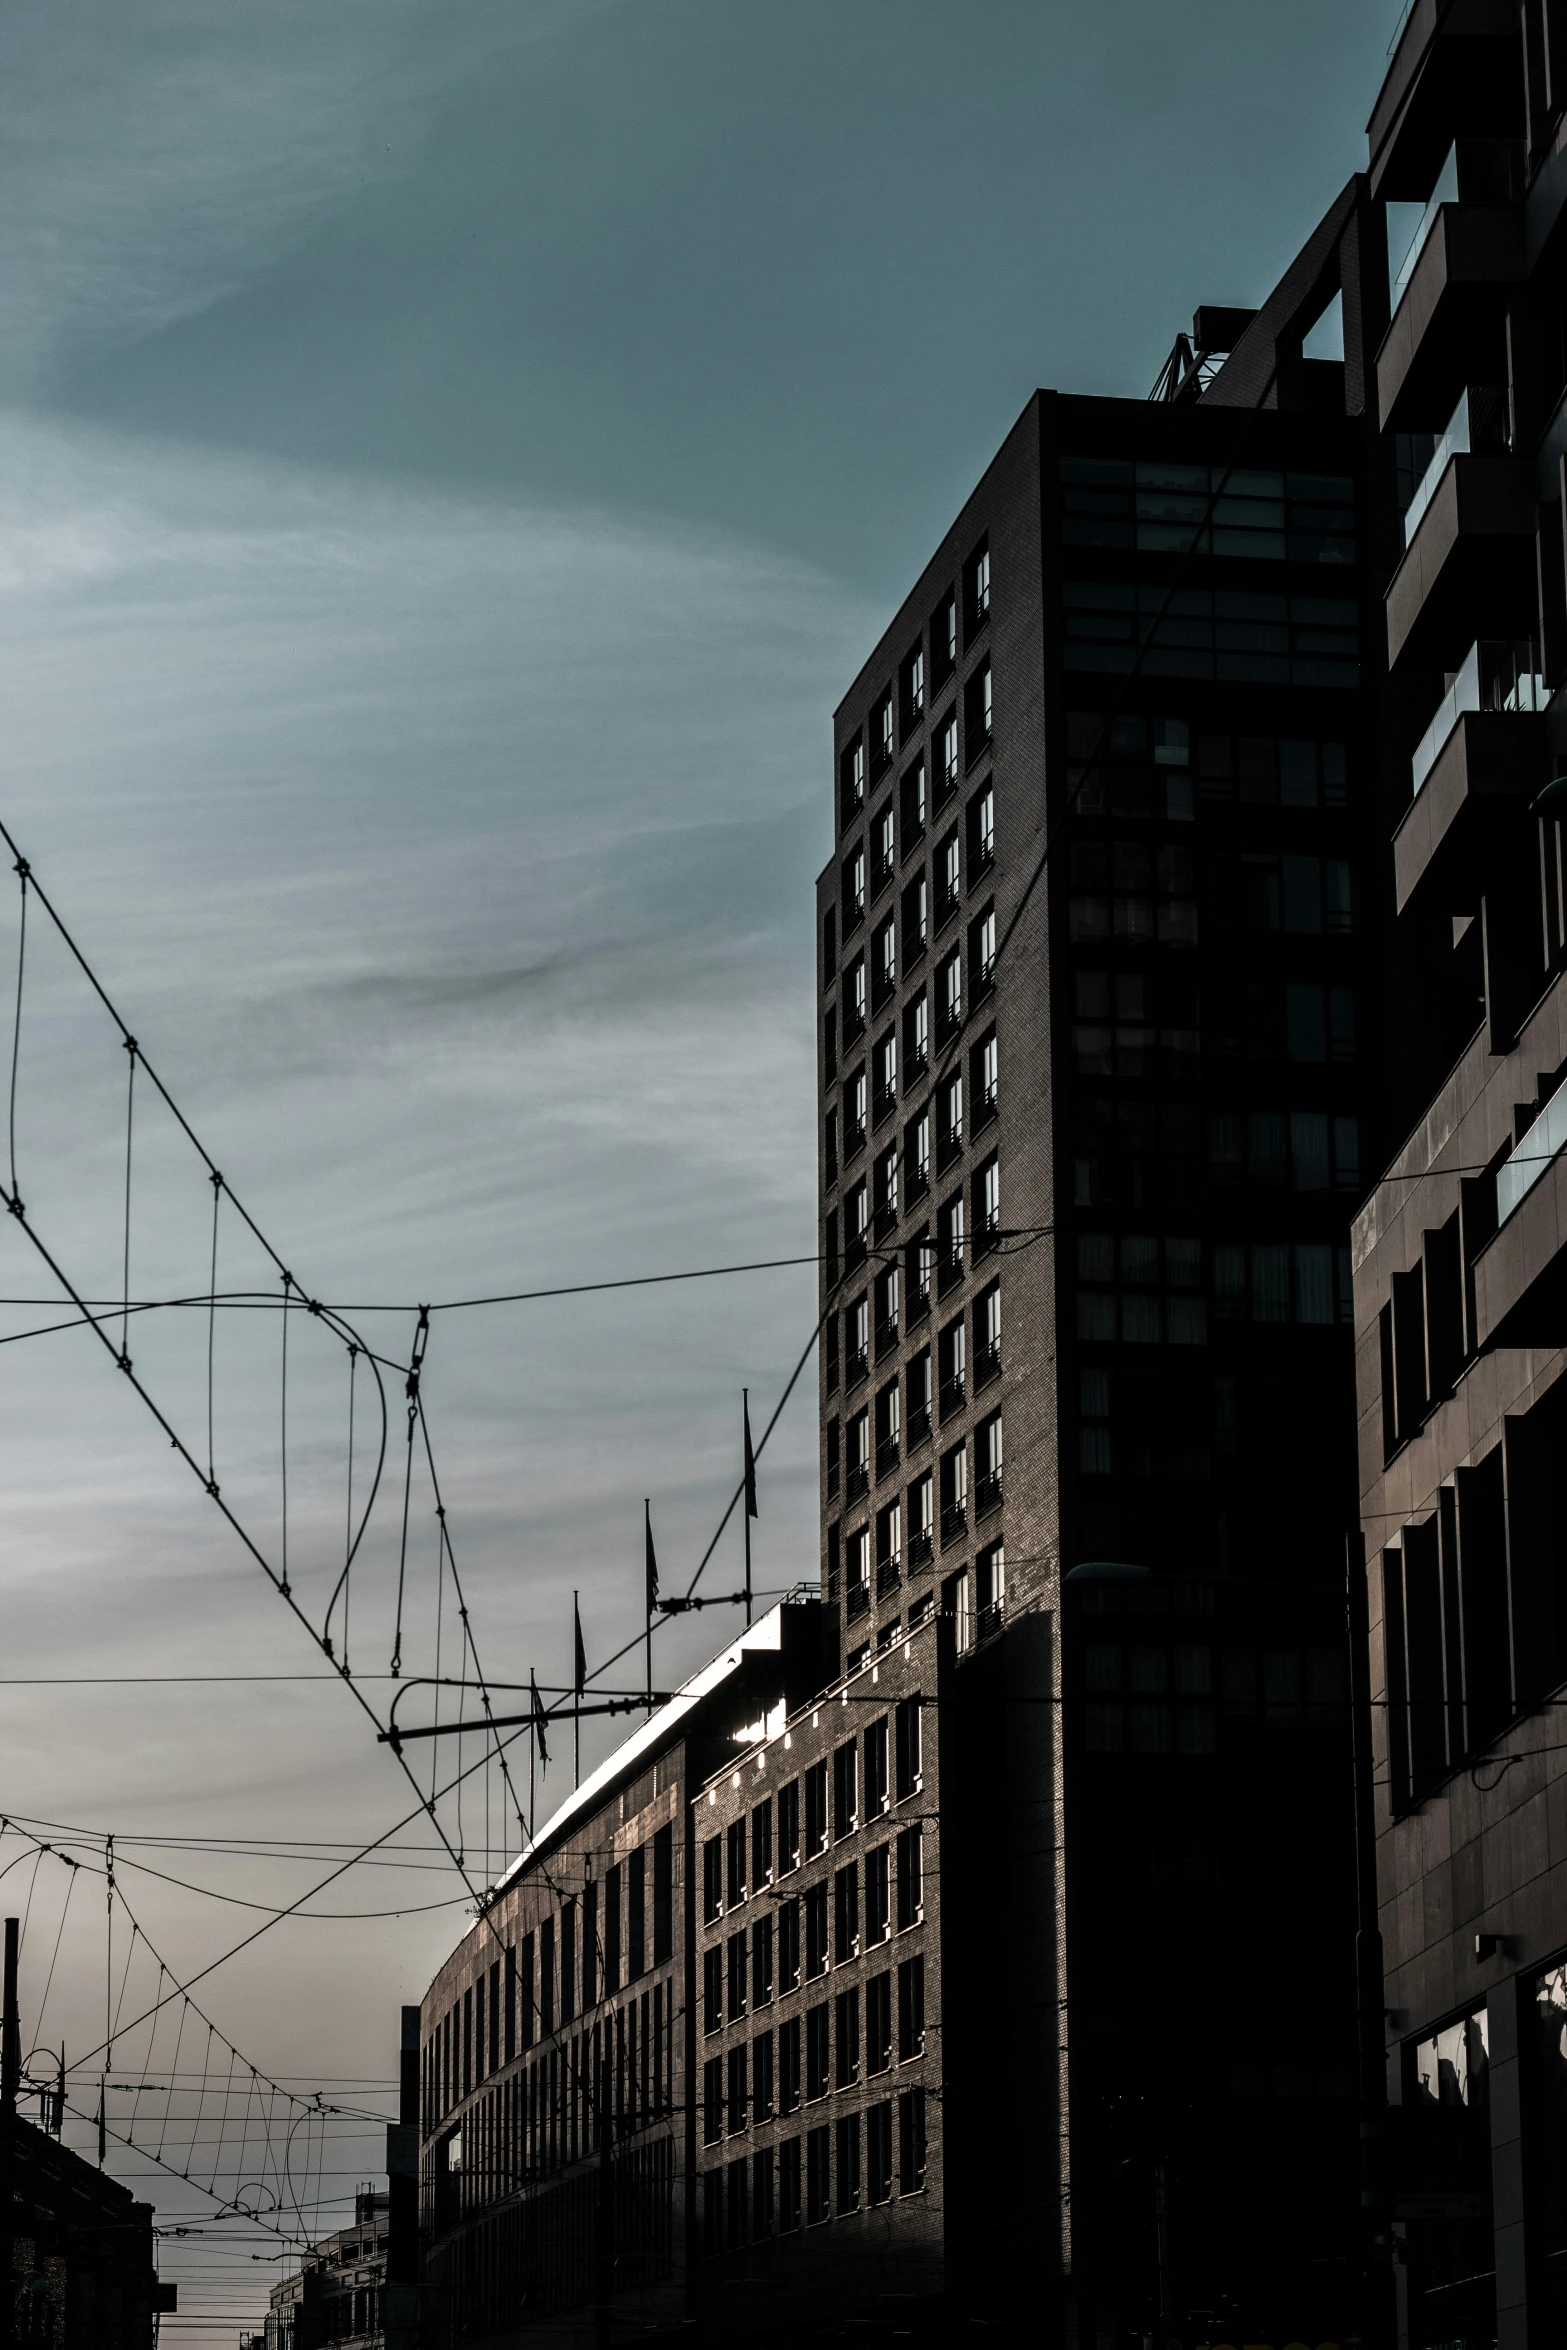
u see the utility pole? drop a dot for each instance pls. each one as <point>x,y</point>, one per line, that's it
<point>10,2084</point>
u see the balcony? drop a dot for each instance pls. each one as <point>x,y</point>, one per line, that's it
<point>1478,766</point>
<point>1455,61</point>
<point>1449,291</point>
<point>1472,552</point>
<point>1521,1273</point>
<point>1478,426</point>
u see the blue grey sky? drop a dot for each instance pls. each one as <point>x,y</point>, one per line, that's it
<point>452,458</point>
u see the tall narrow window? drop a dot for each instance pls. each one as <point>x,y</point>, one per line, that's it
<point>788,1827</point>
<point>817,2051</point>
<point>911,1878</point>
<point>845,1790</point>
<point>911,2008</point>
<point>789,2066</point>
<point>878,1877</point>
<point>663,1895</point>
<point>878,2023</point>
<point>907,1748</point>
<point>876,1769</point>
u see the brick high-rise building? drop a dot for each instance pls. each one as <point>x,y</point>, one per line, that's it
<point>1102,945</point>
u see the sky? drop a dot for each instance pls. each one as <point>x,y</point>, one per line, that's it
<point>452,459</point>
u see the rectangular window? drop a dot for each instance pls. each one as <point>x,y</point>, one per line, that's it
<point>912,806</point>
<point>878,2024</point>
<point>789,2066</point>
<point>943,642</point>
<point>846,1914</point>
<point>712,2100</point>
<point>762,1962</point>
<point>789,2186</point>
<point>636,1914</point>
<point>739,1958</point>
<point>762,2194</point>
<point>737,1858</point>
<point>713,1988</point>
<point>762,2076</point>
<point>547,1977</point>
<point>527,1993</point>
<point>789,1946</point>
<point>911,2141</point>
<point>712,1879</point>
<point>954,1494</point>
<point>878,2152</point>
<point>815,1932</point>
<point>911,2008</point>
<point>788,1827</point>
<point>739,2098</point>
<point>568,1961</point>
<point>590,1946</point>
<point>663,1895</point>
<point>878,1915</point>
<point>816,1808</point>
<point>817,2039</point>
<point>849,2163</point>
<point>908,1748</point>
<point>845,1791</point>
<point>818,2167</point>
<point>946,760</point>
<point>876,1769</point>
<point>911,1878</point>
<point>847,2038</point>
<point>978,712</point>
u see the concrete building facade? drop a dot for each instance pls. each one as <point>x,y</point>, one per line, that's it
<point>1460,1309</point>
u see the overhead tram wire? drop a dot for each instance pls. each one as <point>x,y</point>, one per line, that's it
<point>342,1328</point>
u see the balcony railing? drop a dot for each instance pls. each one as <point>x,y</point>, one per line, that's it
<point>887,1335</point>
<point>856,1364</point>
<point>888,1454</point>
<point>919,1424</point>
<point>859,1600</point>
<point>857,1481</point>
<point>1445,192</point>
<point>888,1576</point>
<point>987,1365</point>
<point>954,1522</point>
<point>1532,1155</point>
<point>987,1494</point>
<point>921,1549</point>
<point>954,1394</point>
<point>1494,675</point>
<point>1479,425</point>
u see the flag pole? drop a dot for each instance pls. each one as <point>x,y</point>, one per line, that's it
<point>652,1595</point>
<point>581,1679</point>
<point>750,1491</point>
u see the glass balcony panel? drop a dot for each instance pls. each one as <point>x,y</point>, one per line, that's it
<point>1532,1155</point>
<point>1445,192</point>
<point>1494,675</point>
<point>1480,424</point>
